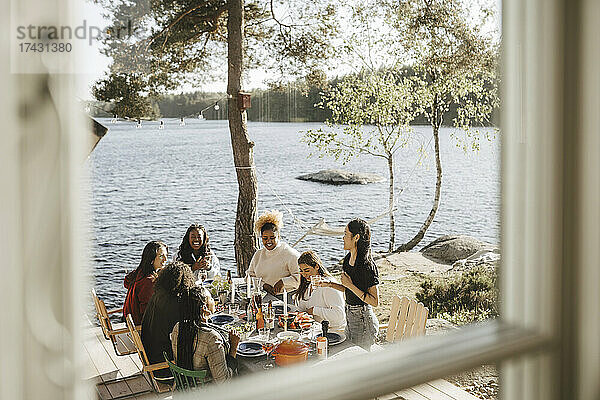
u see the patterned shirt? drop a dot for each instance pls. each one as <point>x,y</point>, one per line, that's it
<point>209,353</point>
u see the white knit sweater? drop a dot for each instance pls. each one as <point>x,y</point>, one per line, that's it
<point>273,265</point>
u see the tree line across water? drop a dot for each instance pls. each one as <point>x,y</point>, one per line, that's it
<point>293,102</point>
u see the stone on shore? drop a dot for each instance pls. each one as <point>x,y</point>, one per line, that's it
<point>341,177</point>
<point>450,248</point>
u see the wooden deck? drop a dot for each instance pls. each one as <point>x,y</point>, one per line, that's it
<point>118,377</point>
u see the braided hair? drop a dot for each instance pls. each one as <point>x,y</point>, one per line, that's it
<point>191,305</point>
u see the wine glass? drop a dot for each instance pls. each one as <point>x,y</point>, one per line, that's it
<point>270,318</point>
<point>268,346</point>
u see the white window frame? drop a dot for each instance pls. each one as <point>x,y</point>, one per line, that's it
<point>547,340</point>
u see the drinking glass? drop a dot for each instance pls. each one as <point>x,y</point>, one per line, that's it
<point>257,284</point>
<point>315,279</point>
<point>268,346</point>
<point>234,309</point>
<point>263,334</point>
<point>270,319</point>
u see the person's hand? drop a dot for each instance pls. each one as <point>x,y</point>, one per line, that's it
<point>202,263</point>
<point>310,311</point>
<point>346,281</point>
<point>278,288</point>
<point>322,282</point>
<point>269,289</point>
<point>153,275</point>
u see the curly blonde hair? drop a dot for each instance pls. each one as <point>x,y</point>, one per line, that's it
<point>274,217</point>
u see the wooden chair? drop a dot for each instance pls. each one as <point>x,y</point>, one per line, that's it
<point>159,384</point>
<point>185,379</point>
<point>407,319</point>
<point>119,337</point>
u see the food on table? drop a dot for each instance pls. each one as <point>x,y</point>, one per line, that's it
<point>296,321</point>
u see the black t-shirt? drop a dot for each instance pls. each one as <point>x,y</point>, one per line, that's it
<point>363,276</point>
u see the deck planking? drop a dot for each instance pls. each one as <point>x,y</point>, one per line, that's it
<point>104,366</point>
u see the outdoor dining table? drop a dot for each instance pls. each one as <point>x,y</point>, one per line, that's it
<point>256,364</point>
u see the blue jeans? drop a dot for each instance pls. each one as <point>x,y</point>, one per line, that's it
<point>362,325</point>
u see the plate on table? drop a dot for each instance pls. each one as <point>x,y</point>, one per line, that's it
<point>250,349</point>
<point>333,338</point>
<point>221,319</point>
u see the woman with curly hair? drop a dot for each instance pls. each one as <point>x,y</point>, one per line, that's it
<point>140,282</point>
<point>195,345</point>
<point>277,262</point>
<point>359,282</point>
<point>162,311</point>
<point>195,251</point>
<point>323,303</point>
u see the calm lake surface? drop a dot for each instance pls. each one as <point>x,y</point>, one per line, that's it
<point>148,184</point>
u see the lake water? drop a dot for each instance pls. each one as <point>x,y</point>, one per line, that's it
<point>147,184</point>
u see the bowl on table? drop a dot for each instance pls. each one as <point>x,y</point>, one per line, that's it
<point>288,335</point>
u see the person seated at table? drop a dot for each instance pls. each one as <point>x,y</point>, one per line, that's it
<point>162,312</point>
<point>323,303</point>
<point>195,345</point>
<point>140,282</point>
<point>195,251</point>
<point>277,262</point>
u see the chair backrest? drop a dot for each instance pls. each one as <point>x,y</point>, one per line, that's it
<point>185,379</point>
<point>407,319</point>
<point>137,340</point>
<point>102,314</point>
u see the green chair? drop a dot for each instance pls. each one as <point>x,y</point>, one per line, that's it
<point>185,379</point>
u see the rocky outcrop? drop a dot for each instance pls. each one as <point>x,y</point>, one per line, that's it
<point>341,177</point>
<point>450,248</point>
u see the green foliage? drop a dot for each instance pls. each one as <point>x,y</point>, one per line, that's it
<point>125,92</point>
<point>454,61</point>
<point>370,113</point>
<point>176,42</point>
<point>470,296</point>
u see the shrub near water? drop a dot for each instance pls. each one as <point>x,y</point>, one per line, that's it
<point>468,297</point>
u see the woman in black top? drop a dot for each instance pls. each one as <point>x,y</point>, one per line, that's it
<point>359,282</point>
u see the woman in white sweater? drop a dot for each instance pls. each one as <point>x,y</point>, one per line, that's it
<point>277,262</point>
<point>324,303</point>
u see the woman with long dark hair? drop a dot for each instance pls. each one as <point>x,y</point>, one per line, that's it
<point>195,251</point>
<point>140,282</point>
<point>359,282</point>
<point>277,262</point>
<point>323,303</point>
<point>162,312</point>
<point>195,345</point>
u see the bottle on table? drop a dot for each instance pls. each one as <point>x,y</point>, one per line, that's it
<point>322,347</point>
<point>260,319</point>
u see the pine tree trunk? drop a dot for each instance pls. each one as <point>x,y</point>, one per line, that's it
<point>438,189</point>
<point>392,221</point>
<point>246,242</point>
